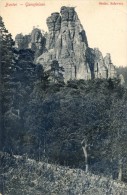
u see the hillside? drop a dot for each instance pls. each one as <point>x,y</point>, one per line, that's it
<point>24,176</point>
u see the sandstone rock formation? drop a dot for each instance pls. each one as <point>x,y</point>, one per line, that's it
<point>96,63</point>
<point>35,41</point>
<point>100,69</point>
<point>67,43</point>
<point>111,70</point>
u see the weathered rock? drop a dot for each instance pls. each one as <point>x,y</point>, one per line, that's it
<point>36,36</point>
<point>71,14</point>
<point>34,41</point>
<point>111,70</point>
<point>67,41</point>
<point>64,13</point>
<point>37,42</point>
<point>58,24</point>
<point>100,69</point>
<point>50,23</point>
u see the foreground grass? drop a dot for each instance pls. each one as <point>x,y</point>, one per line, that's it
<point>24,176</point>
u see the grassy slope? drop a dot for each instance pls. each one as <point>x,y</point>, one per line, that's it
<point>23,176</point>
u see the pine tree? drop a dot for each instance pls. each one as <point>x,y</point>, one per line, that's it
<point>6,68</point>
<point>6,50</point>
<point>56,72</point>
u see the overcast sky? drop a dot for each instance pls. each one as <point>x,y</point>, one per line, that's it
<point>105,25</point>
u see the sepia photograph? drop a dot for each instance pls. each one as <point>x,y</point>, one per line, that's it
<point>63,97</point>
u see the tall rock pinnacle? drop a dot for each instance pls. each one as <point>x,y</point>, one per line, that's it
<point>67,43</point>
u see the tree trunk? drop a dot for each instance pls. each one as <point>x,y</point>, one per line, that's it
<point>86,157</point>
<point>120,171</point>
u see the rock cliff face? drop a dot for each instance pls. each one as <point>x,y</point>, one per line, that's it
<point>111,70</point>
<point>100,70</point>
<point>67,43</point>
<point>35,41</point>
<point>96,63</point>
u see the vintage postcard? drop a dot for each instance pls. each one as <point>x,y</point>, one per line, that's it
<point>63,97</point>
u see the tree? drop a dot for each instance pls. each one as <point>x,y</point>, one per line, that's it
<point>119,136</point>
<point>84,147</point>
<point>6,69</point>
<point>56,72</point>
<point>21,86</point>
<point>6,50</point>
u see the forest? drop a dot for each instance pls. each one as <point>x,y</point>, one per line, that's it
<point>80,124</point>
